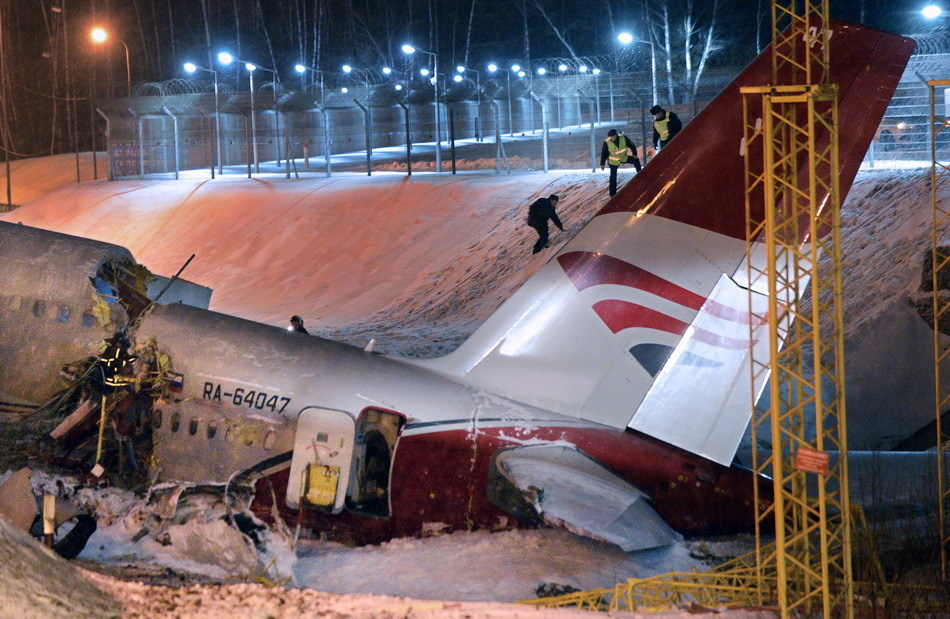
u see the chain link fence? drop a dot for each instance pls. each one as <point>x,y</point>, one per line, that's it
<point>501,126</point>
<point>496,126</point>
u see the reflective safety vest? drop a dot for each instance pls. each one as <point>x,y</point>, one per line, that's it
<point>617,150</point>
<point>663,128</point>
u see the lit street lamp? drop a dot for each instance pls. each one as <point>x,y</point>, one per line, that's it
<point>360,73</point>
<point>931,11</point>
<point>226,59</point>
<point>191,67</point>
<point>409,49</point>
<point>625,39</point>
<point>302,69</point>
<point>100,35</point>
<point>517,70</point>
<point>478,77</point>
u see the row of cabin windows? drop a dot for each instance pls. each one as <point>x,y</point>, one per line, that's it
<point>230,435</point>
<point>63,313</point>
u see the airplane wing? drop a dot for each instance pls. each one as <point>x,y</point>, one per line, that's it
<point>569,489</point>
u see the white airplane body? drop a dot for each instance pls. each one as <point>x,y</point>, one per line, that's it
<point>608,395</point>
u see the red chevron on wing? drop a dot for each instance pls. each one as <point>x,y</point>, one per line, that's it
<point>619,315</point>
<point>586,269</point>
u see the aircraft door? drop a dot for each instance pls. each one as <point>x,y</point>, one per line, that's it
<point>320,466</point>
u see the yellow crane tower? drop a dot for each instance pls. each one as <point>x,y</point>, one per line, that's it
<point>794,122</point>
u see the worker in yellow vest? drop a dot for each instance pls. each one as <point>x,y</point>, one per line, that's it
<point>665,126</point>
<point>617,150</point>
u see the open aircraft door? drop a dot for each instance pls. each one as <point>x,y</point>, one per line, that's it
<point>320,467</point>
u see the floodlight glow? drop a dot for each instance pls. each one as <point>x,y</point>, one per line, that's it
<point>562,67</point>
<point>347,68</point>
<point>492,67</point>
<point>515,68</point>
<point>457,78</point>
<point>190,67</point>
<point>931,11</point>
<point>225,58</point>
<point>398,86</point>
<point>542,70</point>
<point>582,68</point>
<point>250,67</point>
<point>625,38</point>
<point>99,35</point>
<point>596,71</point>
<point>408,49</point>
<point>521,73</point>
<point>344,90</point>
<point>423,72</point>
<point>387,70</point>
<point>300,68</point>
<point>460,69</point>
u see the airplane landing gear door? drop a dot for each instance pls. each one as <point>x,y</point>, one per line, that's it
<point>320,467</point>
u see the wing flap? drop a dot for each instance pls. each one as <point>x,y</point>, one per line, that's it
<point>570,490</point>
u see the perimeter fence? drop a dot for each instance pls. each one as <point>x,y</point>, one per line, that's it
<point>544,124</point>
<point>498,126</point>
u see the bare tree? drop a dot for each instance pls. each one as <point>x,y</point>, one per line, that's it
<point>555,29</point>
<point>468,33</point>
<point>709,47</point>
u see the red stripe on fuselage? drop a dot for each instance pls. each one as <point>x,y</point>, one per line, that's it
<point>441,477</point>
<point>586,269</point>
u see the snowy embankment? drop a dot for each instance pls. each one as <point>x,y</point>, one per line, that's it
<point>31,179</point>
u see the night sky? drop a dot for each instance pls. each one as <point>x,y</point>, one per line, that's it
<point>49,59</point>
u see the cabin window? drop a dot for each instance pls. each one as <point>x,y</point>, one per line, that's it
<point>176,422</point>
<point>212,429</point>
<point>193,426</point>
<point>269,439</point>
<point>88,319</point>
<point>39,308</point>
<point>157,418</point>
<point>62,314</point>
<point>231,434</point>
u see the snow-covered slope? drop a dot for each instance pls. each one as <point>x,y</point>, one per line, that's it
<point>414,262</point>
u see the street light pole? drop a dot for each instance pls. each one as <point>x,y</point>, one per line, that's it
<point>409,49</point>
<point>191,68</point>
<point>302,69</point>
<point>101,35</point>
<point>626,38</point>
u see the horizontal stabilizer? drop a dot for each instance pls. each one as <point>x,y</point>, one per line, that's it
<point>569,489</point>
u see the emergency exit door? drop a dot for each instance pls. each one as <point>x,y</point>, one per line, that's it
<point>320,466</point>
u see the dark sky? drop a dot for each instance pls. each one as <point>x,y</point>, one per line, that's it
<point>49,60</point>
<point>161,34</point>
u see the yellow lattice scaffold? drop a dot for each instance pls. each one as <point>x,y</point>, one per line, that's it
<point>796,129</point>
<point>792,124</point>
<point>940,258</point>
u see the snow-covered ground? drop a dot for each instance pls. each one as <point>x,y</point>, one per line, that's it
<point>416,263</point>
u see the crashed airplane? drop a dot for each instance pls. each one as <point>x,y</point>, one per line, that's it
<point>608,395</point>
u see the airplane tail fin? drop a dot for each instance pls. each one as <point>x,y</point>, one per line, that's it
<point>638,321</point>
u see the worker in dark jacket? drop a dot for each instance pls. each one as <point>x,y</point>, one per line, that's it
<point>617,150</point>
<point>296,325</point>
<point>665,126</point>
<point>540,211</point>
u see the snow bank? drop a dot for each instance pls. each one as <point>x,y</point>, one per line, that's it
<point>414,262</point>
<point>34,178</point>
<point>34,582</point>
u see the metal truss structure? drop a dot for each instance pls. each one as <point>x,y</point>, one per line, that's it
<point>940,259</point>
<point>793,123</point>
